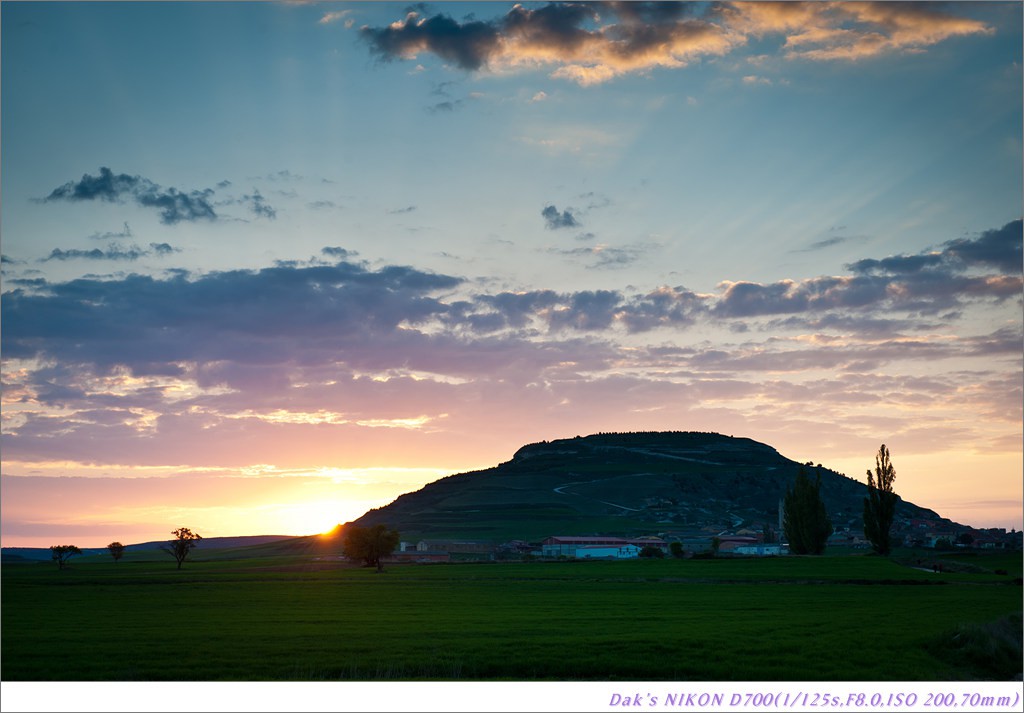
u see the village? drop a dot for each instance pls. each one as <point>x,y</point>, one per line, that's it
<point>704,542</point>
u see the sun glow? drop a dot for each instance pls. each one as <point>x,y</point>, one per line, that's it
<point>315,517</point>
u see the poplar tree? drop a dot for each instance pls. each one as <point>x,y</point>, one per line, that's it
<point>880,504</point>
<point>805,519</point>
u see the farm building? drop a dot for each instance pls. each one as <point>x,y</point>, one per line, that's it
<point>758,550</point>
<point>567,546</point>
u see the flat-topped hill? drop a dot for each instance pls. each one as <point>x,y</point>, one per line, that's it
<point>621,483</point>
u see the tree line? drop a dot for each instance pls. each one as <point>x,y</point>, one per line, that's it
<point>183,543</point>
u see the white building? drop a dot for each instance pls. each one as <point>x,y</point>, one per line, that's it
<point>607,552</point>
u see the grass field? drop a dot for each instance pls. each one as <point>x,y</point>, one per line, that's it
<point>850,617</point>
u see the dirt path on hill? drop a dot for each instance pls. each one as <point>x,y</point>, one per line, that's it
<point>561,491</point>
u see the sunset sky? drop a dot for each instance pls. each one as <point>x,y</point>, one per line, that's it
<point>268,265</point>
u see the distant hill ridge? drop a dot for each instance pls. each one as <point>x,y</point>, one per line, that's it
<point>207,543</point>
<point>623,484</point>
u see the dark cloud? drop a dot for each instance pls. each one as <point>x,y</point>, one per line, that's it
<point>399,211</point>
<point>926,283</point>
<point>999,248</point>
<point>164,248</point>
<point>630,12</point>
<point>338,253</point>
<point>664,307</point>
<point>320,205</point>
<point>174,206</point>
<point>467,45</point>
<point>259,206</point>
<point>898,264</point>
<point>553,220</point>
<point>106,186</point>
<point>826,243</point>
<point>516,309</point>
<point>587,311</point>
<point>249,317</point>
<point>113,252</point>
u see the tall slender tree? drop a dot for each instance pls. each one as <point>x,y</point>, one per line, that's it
<point>805,519</point>
<point>880,504</point>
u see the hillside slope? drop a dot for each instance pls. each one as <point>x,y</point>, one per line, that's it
<point>620,484</point>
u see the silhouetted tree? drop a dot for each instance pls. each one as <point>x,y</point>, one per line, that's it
<point>61,553</point>
<point>805,519</point>
<point>370,544</point>
<point>880,504</point>
<point>650,551</point>
<point>676,548</point>
<point>116,550</point>
<point>184,542</point>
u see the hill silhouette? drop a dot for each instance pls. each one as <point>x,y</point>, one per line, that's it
<point>622,484</point>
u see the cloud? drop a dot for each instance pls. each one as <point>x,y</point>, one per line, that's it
<point>826,243</point>
<point>338,253</point>
<point>332,17</point>
<point>113,252</point>
<point>321,205</point>
<point>174,205</point>
<point>593,43</point>
<point>836,31</point>
<point>126,232</point>
<point>149,323</point>
<point>926,283</point>
<point>553,220</point>
<point>603,256</point>
<point>305,362</point>
<point>466,45</point>
<point>1000,248</point>
<point>570,36</point>
<point>400,211</point>
<point>259,206</point>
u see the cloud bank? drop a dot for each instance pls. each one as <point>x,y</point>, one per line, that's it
<point>591,43</point>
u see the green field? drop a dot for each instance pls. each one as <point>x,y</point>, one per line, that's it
<point>852,617</point>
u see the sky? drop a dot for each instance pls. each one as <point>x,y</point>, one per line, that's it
<point>268,265</point>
